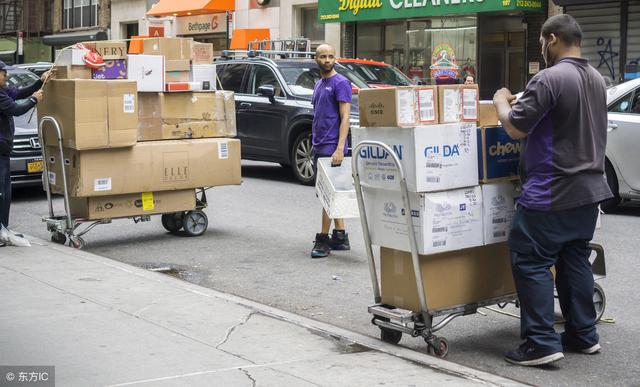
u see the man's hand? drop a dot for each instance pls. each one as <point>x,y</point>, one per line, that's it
<point>338,156</point>
<point>503,94</point>
<point>47,75</point>
<point>38,96</point>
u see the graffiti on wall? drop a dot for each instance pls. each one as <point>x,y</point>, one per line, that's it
<point>607,55</point>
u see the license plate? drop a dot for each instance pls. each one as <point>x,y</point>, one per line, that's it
<point>35,166</point>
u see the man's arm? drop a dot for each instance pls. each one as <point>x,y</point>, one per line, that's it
<point>503,107</point>
<point>345,113</point>
<point>25,92</point>
<point>13,108</point>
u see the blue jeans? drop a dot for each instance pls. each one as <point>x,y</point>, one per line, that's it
<point>537,241</point>
<point>5,189</point>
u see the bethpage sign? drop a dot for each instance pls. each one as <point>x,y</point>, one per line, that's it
<point>201,24</point>
<point>355,10</point>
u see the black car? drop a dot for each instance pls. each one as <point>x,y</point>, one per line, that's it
<point>273,108</point>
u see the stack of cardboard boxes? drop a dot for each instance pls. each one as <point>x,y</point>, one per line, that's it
<point>460,225</point>
<point>130,147</point>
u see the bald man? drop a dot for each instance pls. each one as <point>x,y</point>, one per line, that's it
<point>331,107</point>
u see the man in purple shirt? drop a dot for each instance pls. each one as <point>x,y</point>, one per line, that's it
<point>332,106</point>
<point>561,119</point>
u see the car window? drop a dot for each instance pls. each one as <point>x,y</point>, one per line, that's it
<point>261,76</point>
<point>623,105</point>
<point>302,79</point>
<point>635,104</point>
<point>20,80</point>
<point>231,76</point>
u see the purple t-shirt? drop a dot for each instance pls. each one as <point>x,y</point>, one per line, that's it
<point>327,94</point>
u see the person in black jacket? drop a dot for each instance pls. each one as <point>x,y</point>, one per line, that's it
<point>13,102</point>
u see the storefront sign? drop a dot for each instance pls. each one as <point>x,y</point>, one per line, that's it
<point>356,10</point>
<point>443,62</point>
<point>201,24</point>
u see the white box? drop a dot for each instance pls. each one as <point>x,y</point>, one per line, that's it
<point>147,71</point>
<point>70,56</point>
<point>201,73</point>
<point>443,221</point>
<point>498,202</point>
<point>434,157</point>
<point>334,186</point>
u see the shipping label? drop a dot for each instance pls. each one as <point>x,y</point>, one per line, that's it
<point>406,107</point>
<point>129,105</point>
<point>148,203</point>
<point>426,105</point>
<point>451,105</point>
<point>102,184</point>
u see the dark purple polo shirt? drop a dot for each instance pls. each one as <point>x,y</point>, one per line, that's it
<point>327,94</point>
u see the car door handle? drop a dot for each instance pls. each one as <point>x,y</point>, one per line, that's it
<point>245,105</point>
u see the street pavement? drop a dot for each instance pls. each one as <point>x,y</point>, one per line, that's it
<point>101,322</point>
<point>257,247</point>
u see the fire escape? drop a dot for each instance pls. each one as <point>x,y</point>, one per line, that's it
<point>10,16</point>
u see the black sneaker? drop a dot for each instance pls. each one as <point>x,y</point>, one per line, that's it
<point>339,240</point>
<point>528,355</point>
<point>321,246</point>
<point>573,345</point>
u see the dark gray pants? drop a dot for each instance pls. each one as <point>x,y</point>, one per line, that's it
<point>5,189</point>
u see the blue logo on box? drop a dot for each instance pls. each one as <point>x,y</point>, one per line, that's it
<point>463,207</point>
<point>499,156</point>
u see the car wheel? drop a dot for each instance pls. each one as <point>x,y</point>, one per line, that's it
<point>302,159</point>
<point>612,181</point>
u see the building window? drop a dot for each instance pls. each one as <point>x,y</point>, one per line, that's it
<point>79,14</point>
<point>311,29</point>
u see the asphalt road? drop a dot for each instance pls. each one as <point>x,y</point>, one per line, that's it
<point>258,243</point>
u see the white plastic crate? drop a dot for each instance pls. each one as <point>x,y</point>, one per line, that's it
<point>334,186</point>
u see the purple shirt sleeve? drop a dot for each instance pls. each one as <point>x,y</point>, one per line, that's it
<point>343,91</point>
<point>534,104</point>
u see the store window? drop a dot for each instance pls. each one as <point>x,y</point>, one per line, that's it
<point>311,29</point>
<point>442,50</point>
<point>79,13</point>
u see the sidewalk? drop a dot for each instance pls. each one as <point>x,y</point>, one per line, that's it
<point>101,322</point>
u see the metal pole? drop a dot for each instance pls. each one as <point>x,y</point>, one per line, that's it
<point>62,168</point>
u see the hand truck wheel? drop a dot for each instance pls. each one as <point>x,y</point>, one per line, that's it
<point>438,346</point>
<point>172,222</point>
<point>77,243</point>
<point>195,223</point>
<point>390,336</point>
<point>599,301</point>
<point>58,237</point>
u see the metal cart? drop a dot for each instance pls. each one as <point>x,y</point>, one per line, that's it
<point>67,228</point>
<point>392,321</point>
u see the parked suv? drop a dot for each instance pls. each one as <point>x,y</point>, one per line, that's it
<point>273,108</point>
<point>26,157</point>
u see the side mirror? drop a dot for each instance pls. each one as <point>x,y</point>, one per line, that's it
<point>268,91</point>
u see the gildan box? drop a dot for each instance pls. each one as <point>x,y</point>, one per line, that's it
<point>148,72</point>
<point>443,221</point>
<point>434,157</point>
<point>498,155</point>
<point>92,114</point>
<point>170,48</point>
<point>334,186</point>
<point>72,72</point>
<point>458,103</point>
<point>147,167</point>
<point>112,69</point>
<point>204,74</point>
<point>487,114</point>
<point>201,53</point>
<point>70,57</point>
<point>145,203</point>
<point>450,279</point>
<point>194,129</point>
<point>388,107</point>
<point>109,49</point>
<point>498,201</point>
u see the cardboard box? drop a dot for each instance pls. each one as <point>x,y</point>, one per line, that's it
<point>147,167</point>
<point>229,111</point>
<point>120,206</point>
<point>443,221</point>
<point>434,157</point>
<point>427,100</point>
<point>108,49</point>
<point>388,107</point>
<point>177,76</point>
<point>450,279</point>
<point>334,186</point>
<point>487,114</point>
<point>498,155</point>
<point>177,65</point>
<point>458,103</point>
<point>148,71</point>
<point>92,114</point>
<point>204,74</point>
<point>194,129</point>
<point>72,72</point>
<point>498,202</point>
<point>70,57</point>
<point>170,48</point>
<point>201,53</point>
<point>113,69</point>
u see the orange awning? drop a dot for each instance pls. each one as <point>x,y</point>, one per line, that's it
<point>190,7</point>
<point>242,37</point>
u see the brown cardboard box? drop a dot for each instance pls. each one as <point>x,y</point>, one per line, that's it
<point>93,114</point>
<point>147,167</point>
<point>487,114</point>
<point>120,206</point>
<point>171,48</point>
<point>177,65</point>
<point>72,72</point>
<point>194,129</point>
<point>229,111</point>
<point>109,49</point>
<point>202,53</point>
<point>388,107</point>
<point>451,279</point>
<point>458,103</point>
